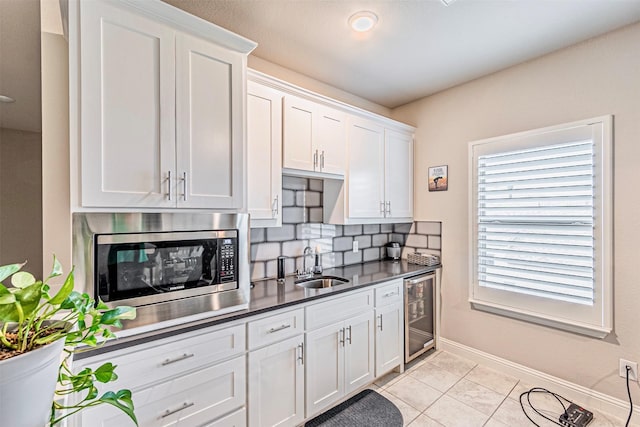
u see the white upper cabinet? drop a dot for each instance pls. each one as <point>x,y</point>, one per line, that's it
<point>209,82</point>
<point>378,185</point>
<point>157,120</point>
<point>264,155</point>
<point>313,137</point>
<point>365,176</point>
<point>398,172</point>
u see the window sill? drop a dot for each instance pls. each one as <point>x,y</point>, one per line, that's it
<point>575,327</point>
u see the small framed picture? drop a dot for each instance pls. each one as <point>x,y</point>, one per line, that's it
<point>438,180</point>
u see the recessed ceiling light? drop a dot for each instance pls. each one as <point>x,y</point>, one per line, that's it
<point>363,21</point>
<point>6,99</point>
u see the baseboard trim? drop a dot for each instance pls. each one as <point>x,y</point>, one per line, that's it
<point>590,399</point>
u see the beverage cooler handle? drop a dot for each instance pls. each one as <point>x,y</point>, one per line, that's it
<point>419,279</point>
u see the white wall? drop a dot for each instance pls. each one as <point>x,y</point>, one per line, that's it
<point>597,77</point>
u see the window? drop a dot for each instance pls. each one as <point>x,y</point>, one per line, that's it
<point>541,226</point>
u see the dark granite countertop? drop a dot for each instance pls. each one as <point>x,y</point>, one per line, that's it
<point>268,295</point>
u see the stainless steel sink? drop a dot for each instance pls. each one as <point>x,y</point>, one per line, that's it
<point>321,282</point>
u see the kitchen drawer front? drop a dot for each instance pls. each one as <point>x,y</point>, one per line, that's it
<point>275,328</point>
<point>338,309</point>
<point>142,365</point>
<point>187,400</point>
<point>236,419</point>
<point>390,293</point>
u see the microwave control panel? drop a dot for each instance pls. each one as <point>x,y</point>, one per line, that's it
<point>227,250</point>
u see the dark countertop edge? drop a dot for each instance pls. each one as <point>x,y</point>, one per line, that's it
<point>120,343</point>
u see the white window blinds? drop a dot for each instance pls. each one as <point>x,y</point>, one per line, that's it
<point>535,221</point>
<point>540,226</point>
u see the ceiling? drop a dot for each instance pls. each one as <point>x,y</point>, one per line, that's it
<point>419,47</point>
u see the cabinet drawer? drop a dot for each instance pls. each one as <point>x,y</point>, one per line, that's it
<point>192,399</point>
<point>236,419</point>
<point>144,364</point>
<point>389,294</point>
<point>338,309</point>
<point>275,328</point>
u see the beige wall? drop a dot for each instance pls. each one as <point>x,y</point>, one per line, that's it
<point>598,77</point>
<point>20,205</point>
<point>316,86</point>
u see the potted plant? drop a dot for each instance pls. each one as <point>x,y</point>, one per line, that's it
<point>38,334</point>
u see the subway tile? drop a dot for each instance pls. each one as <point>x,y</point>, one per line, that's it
<point>338,259</point>
<point>280,234</point>
<point>363,241</point>
<point>371,254</point>
<point>386,228</point>
<point>434,242</point>
<point>399,238</point>
<point>402,228</point>
<point>352,230</point>
<point>352,257</point>
<point>316,184</point>
<point>308,199</point>
<point>257,271</point>
<point>315,215</point>
<point>294,183</point>
<point>293,248</point>
<point>328,260</point>
<point>257,235</point>
<point>323,245</point>
<point>293,215</point>
<point>417,240</point>
<point>339,231</point>
<point>380,239</point>
<point>271,269</point>
<point>328,230</point>
<point>342,244</point>
<point>429,227</point>
<point>288,198</point>
<point>371,228</point>
<point>308,231</point>
<point>289,266</point>
<point>265,251</point>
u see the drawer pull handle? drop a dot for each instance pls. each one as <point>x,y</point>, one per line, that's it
<point>349,338</point>
<point>177,359</point>
<point>184,406</point>
<point>341,336</point>
<point>279,328</point>
<point>390,294</point>
<point>380,316</point>
<point>301,357</point>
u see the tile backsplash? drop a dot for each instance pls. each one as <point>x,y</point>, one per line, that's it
<point>302,226</point>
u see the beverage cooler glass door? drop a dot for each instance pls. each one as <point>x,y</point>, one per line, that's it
<point>419,315</point>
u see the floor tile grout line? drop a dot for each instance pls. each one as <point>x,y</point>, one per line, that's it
<point>503,400</point>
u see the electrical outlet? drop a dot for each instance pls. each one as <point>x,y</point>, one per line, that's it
<point>355,246</point>
<point>633,373</point>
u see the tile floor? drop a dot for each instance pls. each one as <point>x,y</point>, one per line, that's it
<point>442,389</point>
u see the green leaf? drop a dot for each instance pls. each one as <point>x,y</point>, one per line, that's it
<point>8,270</point>
<point>22,279</point>
<point>121,400</point>
<point>56,270</point>
<point>113,316</point>
<point>64,291</point>
<point>29,297</point>
<point>105,373</point>
<point>6,297</point>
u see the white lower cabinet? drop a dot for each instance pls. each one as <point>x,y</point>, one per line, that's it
<point>339,360</point>
<point>389,326</point>
<point>276,384</point>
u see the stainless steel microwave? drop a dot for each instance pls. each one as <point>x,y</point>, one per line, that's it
<point>168,265</point>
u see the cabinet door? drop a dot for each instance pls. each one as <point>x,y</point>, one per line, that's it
<point>325,367</point>
<point>330,140</point>
<point>127,105</point>
<point>188,400</point>
<point>399,174</point>
<point>209,126</point>
<point>365,171</point>
<point>388,338</point>
<point>298,129</point>
<point>359,348</point>
<point>264,155</point>
<point>276,379</point>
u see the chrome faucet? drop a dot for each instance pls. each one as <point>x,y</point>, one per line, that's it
<point>307,252</point>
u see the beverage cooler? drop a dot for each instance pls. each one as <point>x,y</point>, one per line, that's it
<point>419,315</point>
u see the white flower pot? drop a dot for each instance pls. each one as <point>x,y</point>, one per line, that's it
<point>27,385</point>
